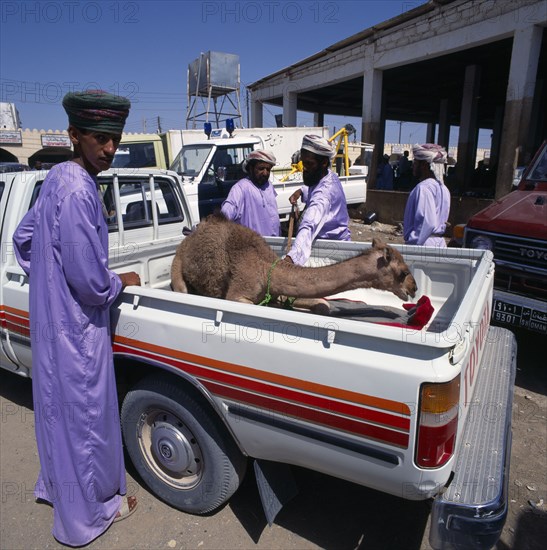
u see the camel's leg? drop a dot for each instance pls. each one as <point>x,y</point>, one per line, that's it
<point>319,306</point>
<point>177,280</point>
<point>235,296</point>
<point>178,285</point>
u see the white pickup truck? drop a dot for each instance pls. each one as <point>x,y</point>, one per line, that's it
<point>210,385</point>
<point>213,166</point>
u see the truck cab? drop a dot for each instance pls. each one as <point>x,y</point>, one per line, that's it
<point>514,228</point>
<point>214,166</point>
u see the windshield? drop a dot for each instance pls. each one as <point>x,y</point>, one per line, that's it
<point>135,155</point>
<point>539,171</point>
<point>190,160</point>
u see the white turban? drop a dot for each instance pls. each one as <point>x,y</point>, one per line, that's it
<point>318,145</point>
<point>429,152</point>
<point>260,156</point>
<point>435,155</point>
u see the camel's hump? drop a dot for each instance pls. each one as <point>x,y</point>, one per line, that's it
<point>217,231</point>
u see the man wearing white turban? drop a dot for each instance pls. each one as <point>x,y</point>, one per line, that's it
<point>326,213</point>
<point>252,200</point>
<point>428,205</point>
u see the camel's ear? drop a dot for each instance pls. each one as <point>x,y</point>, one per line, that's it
<point>388,253</point>
<point>386,250</point>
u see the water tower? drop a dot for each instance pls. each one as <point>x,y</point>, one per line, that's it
<point>213,89</point>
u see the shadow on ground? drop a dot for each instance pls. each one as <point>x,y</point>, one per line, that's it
<point>332,513</point>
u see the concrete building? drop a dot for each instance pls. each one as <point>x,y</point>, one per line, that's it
<point>467,63</point>
<point>28,146</point>
<point>9,117</point>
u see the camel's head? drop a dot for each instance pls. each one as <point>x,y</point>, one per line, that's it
<point>394,273</point>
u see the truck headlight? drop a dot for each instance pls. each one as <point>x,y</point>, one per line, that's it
<point>482,241</point>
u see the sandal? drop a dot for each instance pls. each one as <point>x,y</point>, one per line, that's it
<point>128,506</point>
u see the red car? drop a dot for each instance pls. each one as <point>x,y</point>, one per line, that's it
<point>514,228</point>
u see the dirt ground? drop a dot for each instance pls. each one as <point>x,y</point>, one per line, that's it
<point>327,512</point>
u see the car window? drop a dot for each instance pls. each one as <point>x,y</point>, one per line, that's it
<point>136,203</point>
<point>35,193</point>
<point>190,160</point>
<point>539,171</point>
<point>135,155</point>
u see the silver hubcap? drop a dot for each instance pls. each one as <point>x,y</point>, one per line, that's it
<point>170,449</point>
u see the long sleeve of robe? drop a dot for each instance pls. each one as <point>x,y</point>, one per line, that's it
<point>426,213</point>
<point>62,244</point>
<point>325,217</point>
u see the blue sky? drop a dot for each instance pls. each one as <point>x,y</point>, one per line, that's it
<point>141,49</point>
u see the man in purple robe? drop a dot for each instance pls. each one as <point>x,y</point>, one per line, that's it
<point>326,214</point>
<point>428,205</point>
<point>252,200</point>
<point>62,245</point>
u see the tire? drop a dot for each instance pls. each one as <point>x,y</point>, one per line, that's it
<point>179,446</point>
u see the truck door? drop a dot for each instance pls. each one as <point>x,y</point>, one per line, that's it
<point>224,170</point>
<point>14,296</point>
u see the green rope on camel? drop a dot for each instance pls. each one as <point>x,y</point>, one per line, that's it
<point>287,304</point>
<point>268,296</point>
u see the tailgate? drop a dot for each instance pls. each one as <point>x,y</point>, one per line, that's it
<point>472,511</point>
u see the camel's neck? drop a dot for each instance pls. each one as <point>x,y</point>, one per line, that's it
<point>305,282</point>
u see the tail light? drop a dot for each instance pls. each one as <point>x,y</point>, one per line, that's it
<point>438,423</point>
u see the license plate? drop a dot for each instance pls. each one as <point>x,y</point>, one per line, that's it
<point>519,316</point>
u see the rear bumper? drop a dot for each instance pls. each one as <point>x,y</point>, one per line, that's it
<point>472,511</point>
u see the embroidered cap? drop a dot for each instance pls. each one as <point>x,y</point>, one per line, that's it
<point>97,110</point>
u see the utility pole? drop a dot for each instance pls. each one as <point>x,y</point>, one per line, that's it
<point>400,127</point>
<point>159,125</point>
<point>247,104</point>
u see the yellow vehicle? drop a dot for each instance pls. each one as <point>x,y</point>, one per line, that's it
<point>341,161</point>
<point>140,151</point>
<point>151,150</point>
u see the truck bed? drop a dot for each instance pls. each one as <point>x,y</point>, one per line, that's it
<point>228,346</point>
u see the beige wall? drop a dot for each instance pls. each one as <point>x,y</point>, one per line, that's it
<point>32,142</point>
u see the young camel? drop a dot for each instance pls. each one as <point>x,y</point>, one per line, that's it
<point>222,259</point>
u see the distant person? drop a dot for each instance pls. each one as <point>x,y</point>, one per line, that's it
<point>326,214</point>
<point>480,174</point>
<point>404,171</point>
<point>428,205</point>
<point>252,200</point>
<point>38,165</point>
<point>384,177</point>
<point>62,245</point>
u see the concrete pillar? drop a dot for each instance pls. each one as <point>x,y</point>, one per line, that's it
<point>289,108</point>
<point>256,114</point>
<point>430,132</point>
<point>496,137</point>
<point>516,143</point>
<point>444,124</point>
<point>537,130</point>
<point>467,142</point>
<point>373,125</point>
<point>319,119</point>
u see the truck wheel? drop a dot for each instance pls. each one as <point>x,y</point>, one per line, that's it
<point>179,447</point>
